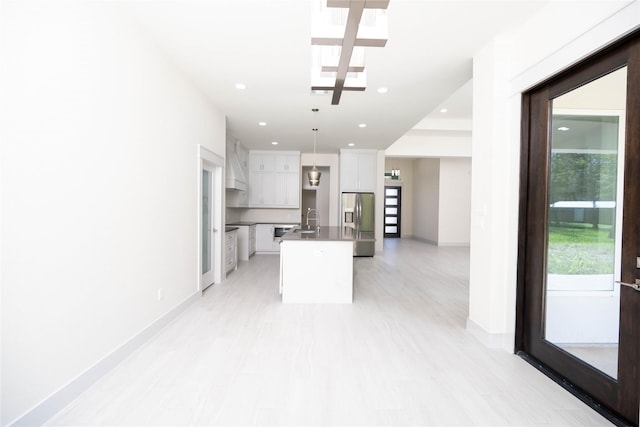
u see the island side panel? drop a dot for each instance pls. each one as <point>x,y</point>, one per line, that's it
<point>317,272</point>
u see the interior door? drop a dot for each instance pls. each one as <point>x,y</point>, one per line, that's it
<point>208,229</point>
<point>580,230</point>
<point>392,206</point>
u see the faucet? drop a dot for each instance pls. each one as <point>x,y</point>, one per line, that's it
<point>315,218</point>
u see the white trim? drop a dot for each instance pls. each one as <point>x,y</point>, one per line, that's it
<point>216,163</point>
<point>423,240</point>
<point>611,29</point>
<point>432,242</point>
<point>489,339</point>
<point>58,400</point>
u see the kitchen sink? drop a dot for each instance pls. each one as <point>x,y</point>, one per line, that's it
<point>304,230</point>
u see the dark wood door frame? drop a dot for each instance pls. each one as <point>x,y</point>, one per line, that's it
<point>616,399</point>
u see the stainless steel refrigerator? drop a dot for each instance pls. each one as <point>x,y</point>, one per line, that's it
<point>358,217</point>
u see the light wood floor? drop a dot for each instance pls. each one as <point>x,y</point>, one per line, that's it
<point>400,355</point>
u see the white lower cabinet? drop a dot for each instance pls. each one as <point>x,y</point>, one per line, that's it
<point>264,239</point>
<point>230,250</point>
<point>246,241</point>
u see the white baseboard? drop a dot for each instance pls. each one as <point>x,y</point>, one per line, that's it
<point>53,404</point>
<point>433,242</point>
<point>491,340</point>
<point>423,240</point>
<point>456,244</point>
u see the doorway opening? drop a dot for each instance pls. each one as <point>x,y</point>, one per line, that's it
<point>316,198</point>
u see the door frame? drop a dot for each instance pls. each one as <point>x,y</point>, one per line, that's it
<point>571,373</point>
<point>215,163</point>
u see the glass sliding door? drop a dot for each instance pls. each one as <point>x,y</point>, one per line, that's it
<point>579,231</point>
<point>584,246</point>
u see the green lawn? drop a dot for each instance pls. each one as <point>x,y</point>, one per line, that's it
<point>580,249</point>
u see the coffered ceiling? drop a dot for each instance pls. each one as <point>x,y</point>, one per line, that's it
<point>266,46</point>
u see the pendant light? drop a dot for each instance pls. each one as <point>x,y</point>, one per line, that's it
<point>314,173</point>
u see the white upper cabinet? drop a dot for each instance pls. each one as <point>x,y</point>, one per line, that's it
<point>262,189</point>
<point>358,170</point>
<point>287,162</point>
<point>288,189</point>
<point>274,179</point>
<point>262,162</point>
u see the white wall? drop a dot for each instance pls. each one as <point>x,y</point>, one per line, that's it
<point>454,202</point>
<point>379,202</point>
<point>428,143</point>
<point>99,191</point>
<point>233,215</point>
<point>426,199</point>
<point>503,69</point>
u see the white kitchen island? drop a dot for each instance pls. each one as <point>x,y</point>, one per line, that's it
<point>316,266</point>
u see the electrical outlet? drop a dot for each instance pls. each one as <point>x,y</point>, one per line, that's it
<point>638,262</point>
<point>160,294</point>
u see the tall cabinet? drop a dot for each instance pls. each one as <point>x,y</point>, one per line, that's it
<point>274,179</point>
<point>358,170</point>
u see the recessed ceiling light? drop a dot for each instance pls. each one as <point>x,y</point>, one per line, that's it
<point>262,123</point>
<point>362,125</point>
<point>383,90</point>
<point>274,143</point>
<point>443,110</point>
<point>241,86</point>
<point>351,144</point>
<point>563,128</point>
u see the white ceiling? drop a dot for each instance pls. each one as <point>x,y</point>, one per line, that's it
<point>265,44</point>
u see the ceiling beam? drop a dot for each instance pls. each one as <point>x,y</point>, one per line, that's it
<point>356,7</point>
<point>369,4</point>
<point>337,41</point>
<point>332,69</point>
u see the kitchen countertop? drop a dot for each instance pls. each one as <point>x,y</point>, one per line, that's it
<point>287,223</point>
<point>228,228</point>
<point>331,234</point>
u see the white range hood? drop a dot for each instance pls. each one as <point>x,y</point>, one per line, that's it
<point>235,179</point>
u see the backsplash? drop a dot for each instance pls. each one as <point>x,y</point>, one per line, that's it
<point>269,215</point>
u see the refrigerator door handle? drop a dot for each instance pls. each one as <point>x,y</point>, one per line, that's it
<point>355,211</point>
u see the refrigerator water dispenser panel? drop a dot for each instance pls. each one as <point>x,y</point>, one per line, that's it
<point>348,217</point>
